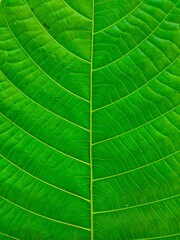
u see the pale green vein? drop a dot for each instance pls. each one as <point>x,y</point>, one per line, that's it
<point>138,89</point>
<point>6,235</point>
<point>131,130</point>
<point>47,183</point>
<point>135,169</point>
<point>84,99</point>
<point>91,126</point>
<point>82,59</point>
<point>133,10</point>
<point>55,149</point>
<point>138,205</point>
<point>42,216</point>
<point>76,11</point>
<point>165,236</point>
<point>41,106</point>
<point>138,44</point>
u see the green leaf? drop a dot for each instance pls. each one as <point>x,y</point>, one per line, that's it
<point>89,119</point>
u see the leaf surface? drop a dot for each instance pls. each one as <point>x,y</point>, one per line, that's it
<point>89,119</point>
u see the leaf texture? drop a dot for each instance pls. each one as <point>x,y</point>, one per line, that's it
<point>89,119</point>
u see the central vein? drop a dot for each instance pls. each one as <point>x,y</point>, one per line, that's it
<point>91,165</point>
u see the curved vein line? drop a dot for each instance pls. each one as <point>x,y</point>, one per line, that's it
<point>6,235</point>
<point>82,59</point>
<point>43,106</point>
<point>47,183</point>
<point>76,11</point>
<point>139,205</point>
<point>135,169</point>
<point>37,64</point>
<point>165,236</point>
<point>133,10</point>
<point>147,83</point>
<point>47,145</point>
<point>42,216</point>
<point>138,44</point>
<point>131,130</point>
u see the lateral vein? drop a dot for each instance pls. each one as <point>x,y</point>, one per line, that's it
<point>135,169</point>
<point>131,130</point>
<point>139,205</point>
<point>82,59</point>
<point>38,65</point>
<point>47,183</point>
<point>42,216</point>
<point>6,235</point>
<point>77,159</point>
<point>55,114</point>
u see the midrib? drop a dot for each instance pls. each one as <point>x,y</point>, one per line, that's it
<point>90,147</point>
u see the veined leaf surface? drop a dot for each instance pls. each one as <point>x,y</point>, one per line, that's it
<point>89,119</point>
